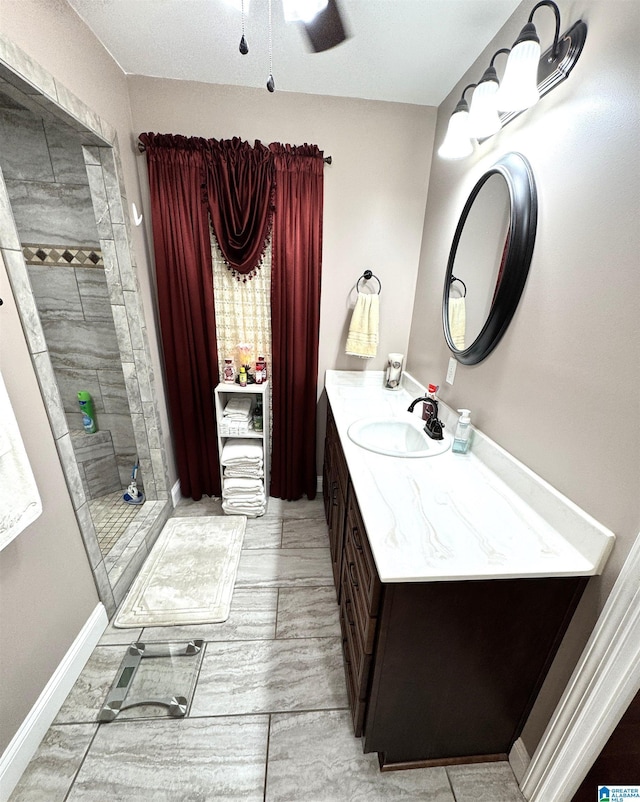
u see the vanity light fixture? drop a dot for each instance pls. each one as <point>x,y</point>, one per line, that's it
<point>457,143</point>
<point>519,89</point>
<point>527,77</point>
<point>484,119</point>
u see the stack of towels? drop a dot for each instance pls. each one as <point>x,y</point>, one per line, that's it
<point>236,416</point>
<point>243,478</point>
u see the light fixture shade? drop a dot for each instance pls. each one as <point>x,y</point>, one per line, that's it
<point>302,10</point>
<point>519,87</point>
<point>457,143</point>
<point>484,119</point>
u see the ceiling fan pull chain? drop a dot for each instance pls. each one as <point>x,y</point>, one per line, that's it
<point>244,47</point>
<point>271,84</point>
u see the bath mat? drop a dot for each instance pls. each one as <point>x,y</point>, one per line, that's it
<point>188,577</point>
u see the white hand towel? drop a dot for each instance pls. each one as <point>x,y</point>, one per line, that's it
<point>457,321</point>
<point>362,339</point>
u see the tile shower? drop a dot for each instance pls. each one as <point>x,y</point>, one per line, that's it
<point>62,209</point>
<point>49,191</point>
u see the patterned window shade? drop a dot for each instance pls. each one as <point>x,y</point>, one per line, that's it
<point>243,311</point>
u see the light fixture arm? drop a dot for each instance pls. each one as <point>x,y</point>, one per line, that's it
<point>556,11</point>
<point>506,50</point>
<point>462,104</point>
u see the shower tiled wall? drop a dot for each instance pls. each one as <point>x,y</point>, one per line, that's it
<point>74,307</point>
<point>32,88</point>
<point>48,186</point>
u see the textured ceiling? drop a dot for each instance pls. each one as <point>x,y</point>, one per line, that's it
<point>408,51</point>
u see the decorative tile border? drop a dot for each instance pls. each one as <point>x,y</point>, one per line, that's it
<point>62,256</point>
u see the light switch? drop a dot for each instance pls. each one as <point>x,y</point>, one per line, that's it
<point>451,370</point>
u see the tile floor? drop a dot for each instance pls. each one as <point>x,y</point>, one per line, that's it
<point>268,721</point>
<point>111,516</point>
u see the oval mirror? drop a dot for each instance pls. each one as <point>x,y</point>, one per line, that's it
<point>489,259</point>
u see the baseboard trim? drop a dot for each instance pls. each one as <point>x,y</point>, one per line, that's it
<point>519,759</point>
<point>25,742</point>
<point>176,495</point>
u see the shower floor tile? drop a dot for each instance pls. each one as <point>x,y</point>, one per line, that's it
<point>111,516</point>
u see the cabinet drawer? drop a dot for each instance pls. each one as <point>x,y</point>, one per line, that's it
<point>355,534</point>
<point>356,705</point>
<point>352,580</point>
<point>359,659</point>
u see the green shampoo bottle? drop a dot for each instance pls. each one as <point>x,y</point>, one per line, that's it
<point>88,415</point>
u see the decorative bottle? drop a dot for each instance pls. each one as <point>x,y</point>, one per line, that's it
<point>262,361</point>
<point>243,376</point>
<point>430,407</point>
<point>229,371</point>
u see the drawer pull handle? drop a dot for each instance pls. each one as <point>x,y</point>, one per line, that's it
<point>344,652</point>
<point>353,575</point>
<point>356,538</point>
<point>347,609</point>
<point>334,494</point>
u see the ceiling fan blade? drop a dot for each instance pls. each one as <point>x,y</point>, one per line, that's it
<point>327,29</point>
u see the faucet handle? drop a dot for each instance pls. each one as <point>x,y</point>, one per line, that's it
<point>433,428</point>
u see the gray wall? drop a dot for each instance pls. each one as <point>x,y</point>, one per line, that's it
<point>47,182</point>
<point>562,390</point>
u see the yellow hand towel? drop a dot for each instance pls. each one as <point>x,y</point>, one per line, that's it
<point>362,339</point>
<point>457,321</point>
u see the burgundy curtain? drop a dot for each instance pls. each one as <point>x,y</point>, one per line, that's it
<point>239,194</point>
<point>295,317</point>
<point>245,189</point>
<point>185,299</point>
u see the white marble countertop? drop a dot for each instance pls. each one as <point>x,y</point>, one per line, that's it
<point>453,516</point>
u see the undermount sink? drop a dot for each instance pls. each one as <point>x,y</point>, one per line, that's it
<point>395,437</point>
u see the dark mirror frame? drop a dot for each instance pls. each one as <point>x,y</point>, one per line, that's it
<point>518,175</point>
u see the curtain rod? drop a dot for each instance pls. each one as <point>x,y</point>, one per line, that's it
<point>142,148</point>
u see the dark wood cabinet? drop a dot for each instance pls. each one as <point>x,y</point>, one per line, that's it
<point>437,672</point>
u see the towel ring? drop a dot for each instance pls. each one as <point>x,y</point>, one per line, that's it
<point>460,281</point>
<point>366,276</point>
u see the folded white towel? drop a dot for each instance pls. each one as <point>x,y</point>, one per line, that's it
<point>235,488</point>
<point>457,321</point>
<point>250,512</point>
<point>238,408</point>
<point>243,450</point>
<point>246,472</point>
<point>362,339</point>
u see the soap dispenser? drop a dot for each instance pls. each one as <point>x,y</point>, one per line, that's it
<point>462,436</point>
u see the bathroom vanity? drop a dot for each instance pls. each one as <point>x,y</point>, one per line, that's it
<point>454,593</point>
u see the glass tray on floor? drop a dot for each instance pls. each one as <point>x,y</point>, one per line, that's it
<point>153,680</point>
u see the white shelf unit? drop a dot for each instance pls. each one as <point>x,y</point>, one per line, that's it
<point>223,393</point>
